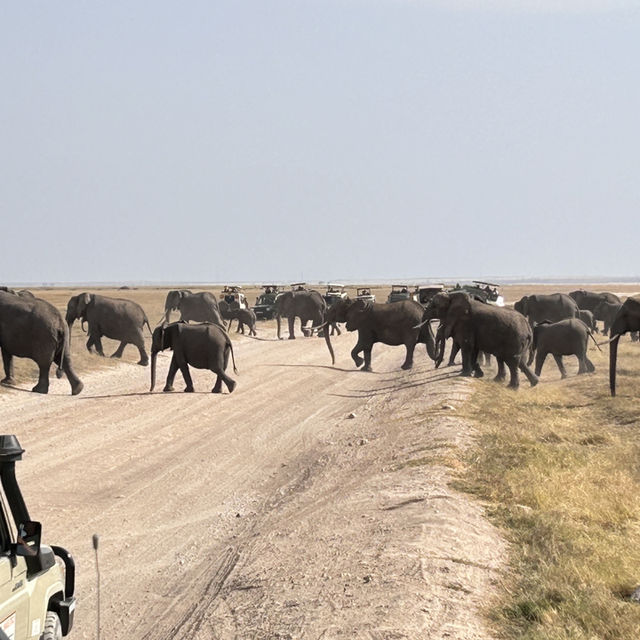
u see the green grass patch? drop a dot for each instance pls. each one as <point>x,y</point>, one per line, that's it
<point>559,469</point>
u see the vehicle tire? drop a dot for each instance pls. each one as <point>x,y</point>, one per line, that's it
<point>52,627</point>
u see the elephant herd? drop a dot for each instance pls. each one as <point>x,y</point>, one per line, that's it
<point>538,326</point>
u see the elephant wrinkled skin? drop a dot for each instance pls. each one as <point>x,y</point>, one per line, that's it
<point>33,328</point>
<point>627,319</point>
<point>393,323</point>
<point>477,326</point>
<point>195,307</point>
<point>563,338</point>
<point>309,306</point>
<point>115,318</point>
<point>203,346</point>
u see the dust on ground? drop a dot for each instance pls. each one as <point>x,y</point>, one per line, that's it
<point>266,513</point>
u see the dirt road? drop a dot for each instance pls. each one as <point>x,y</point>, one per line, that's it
<point>268,513</point>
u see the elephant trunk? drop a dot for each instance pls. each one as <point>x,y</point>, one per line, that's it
<point>427,335</point>
<point>327,339</point>
<point>613,358</point>
<point>154,358</point>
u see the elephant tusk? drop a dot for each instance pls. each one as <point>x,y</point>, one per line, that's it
<point>418,326</point>
<point>320,326</point>
<point>599,344</point>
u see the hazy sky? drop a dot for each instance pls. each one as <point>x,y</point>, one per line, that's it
<point>355,139</point>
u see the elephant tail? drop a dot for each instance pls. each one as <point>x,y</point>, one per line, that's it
<point>146,321</point>
<point>59,356</point>
<point>233,358</point>
<point>594,340</point>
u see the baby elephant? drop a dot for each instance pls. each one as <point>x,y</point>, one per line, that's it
<point>564,338</point>
<point>203,346</point>
<point>244,316</point>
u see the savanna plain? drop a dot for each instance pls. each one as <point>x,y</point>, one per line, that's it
<point>318,501</point>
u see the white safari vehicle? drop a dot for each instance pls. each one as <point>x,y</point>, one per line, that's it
<point>364,293</point>
<point>36,581</point>
<point>234,297</point>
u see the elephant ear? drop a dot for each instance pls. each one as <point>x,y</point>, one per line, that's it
<point>460,304</point>
<point>355,313</point>
<point>86,298</point>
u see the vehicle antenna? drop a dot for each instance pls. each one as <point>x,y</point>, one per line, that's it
<point>96,539</point>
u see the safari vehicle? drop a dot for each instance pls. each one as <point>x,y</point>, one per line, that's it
<point>400,292</point>
<point>234,297</point>
<point>265,305</point>
<point>298,286</point>
<point>424,293</point>
<point>36,581</point>
<point>364,293</point>
<point>485,291</point>
<point>334,292</point>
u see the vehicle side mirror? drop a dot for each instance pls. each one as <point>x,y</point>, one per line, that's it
<point>29,535</point>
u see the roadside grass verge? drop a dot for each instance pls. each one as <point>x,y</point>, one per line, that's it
<point>558,467</point>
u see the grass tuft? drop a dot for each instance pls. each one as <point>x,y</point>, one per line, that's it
<point>558,467</point>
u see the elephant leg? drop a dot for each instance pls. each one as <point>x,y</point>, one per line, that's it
<point>292,335</point>
<point>502,374</point>
<point>354,354</point>
<point>76,384</point>
<point>522,365</point>
<point>367,358</point>
<point>89,343</point>
<point>184,370</point>
<point>7,361</point>
<point>43,379</point>
<point>173,369</point>
<point>563,371</point>
<point>514,380</point>
<point>589,365</point>
<point>475,363</point>
<point>408,361</point>
<point>98,344</point>
<point>144,358</point>
<point>541,356</point>
<point>119,351</point>
<point>223,377</point>
<point>467,361</point>
<point>634,336</point>
<point>252,332</point>
<point>455,349</point>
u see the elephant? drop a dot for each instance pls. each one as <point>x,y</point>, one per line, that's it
<point>243,316</point>
<point>606,311</point>
<point>589,300</point>
<point>32,328</point>
<point>455,347</point>
<point>587,317</point>
<point>114,318</point>
<point>306,305</point>
<point>203,346</point>
<point>477,326</point>
<point>23,293</point>
<point>393,323</point>
<point>627,319</point>
<point>563,338</point>
<point>197,307</point>
<point>552,307</point>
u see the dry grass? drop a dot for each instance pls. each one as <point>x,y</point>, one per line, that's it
<point>559,469</point>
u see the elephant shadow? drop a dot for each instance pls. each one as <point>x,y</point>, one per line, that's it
<point>366,393</point>
<point>317,366</point>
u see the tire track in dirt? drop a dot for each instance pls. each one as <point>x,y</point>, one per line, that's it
<point>163,477</point>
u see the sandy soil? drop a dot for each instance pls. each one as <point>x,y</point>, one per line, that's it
<point>268,513</point>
